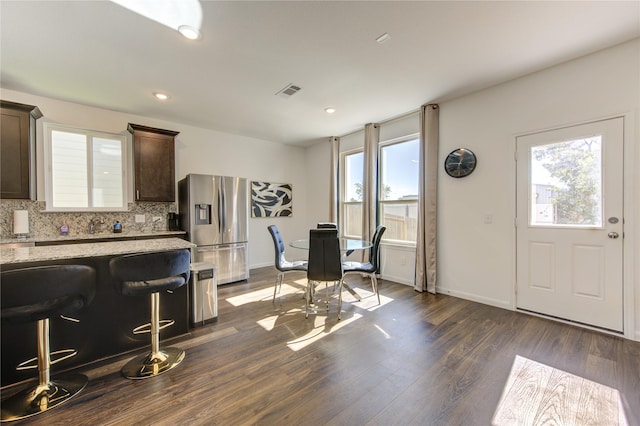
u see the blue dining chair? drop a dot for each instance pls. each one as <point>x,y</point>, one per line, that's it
<point>281,263</point>
<point>370,268</point>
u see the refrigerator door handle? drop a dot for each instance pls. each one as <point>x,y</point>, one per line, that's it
<point>220,215</point>
<point>223,206</point>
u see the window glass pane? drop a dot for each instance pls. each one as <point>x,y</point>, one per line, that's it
<point>352,221</point>
<point>401,220</point>
<point>107,172</point>
<point>566,183</point>
<point>69,169</point>
<point>399,171</point>
<point>353,176</point>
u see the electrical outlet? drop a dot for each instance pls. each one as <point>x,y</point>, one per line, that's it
<point>140,218</point>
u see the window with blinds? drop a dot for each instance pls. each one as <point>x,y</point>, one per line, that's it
<point>86,170</point>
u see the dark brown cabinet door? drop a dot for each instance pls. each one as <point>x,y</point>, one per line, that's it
<point>154,163</point>
<point>17,150</point>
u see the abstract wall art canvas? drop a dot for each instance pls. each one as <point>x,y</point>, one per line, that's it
<point>271,199</point>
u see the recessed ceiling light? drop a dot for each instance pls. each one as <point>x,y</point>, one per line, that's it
<point>330,110</point>
<point>384,37</point>
<point>161,96</point>
<point>189,32</point>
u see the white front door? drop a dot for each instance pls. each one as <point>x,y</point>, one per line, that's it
<point>570,225</point>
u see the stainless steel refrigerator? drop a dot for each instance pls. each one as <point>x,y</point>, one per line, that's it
<point>214,211</point>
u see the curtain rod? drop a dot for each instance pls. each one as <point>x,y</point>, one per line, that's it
<point>382,123</point>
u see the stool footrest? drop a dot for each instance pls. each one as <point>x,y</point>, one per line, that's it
<point>33,362</point>
<point>146,328</point>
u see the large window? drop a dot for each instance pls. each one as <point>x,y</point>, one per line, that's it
<point>352,194</point>
<point>398,189</point>
<point>85,170</point>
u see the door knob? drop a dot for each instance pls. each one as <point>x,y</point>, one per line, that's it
<point>613,235</point>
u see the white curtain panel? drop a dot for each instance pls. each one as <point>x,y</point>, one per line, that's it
<point>425,279</point>
<point>370,191</point>
<point>333,190</point>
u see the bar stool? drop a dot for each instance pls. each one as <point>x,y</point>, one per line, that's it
<point>149,274</point>
<point>38,294</point>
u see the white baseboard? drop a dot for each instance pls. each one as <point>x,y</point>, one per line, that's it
<point>399,280</point>
<point>504,304</point>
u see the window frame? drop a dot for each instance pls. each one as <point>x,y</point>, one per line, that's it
<point>48,129</point>
<point>380,184</point>
<point>343,202</point>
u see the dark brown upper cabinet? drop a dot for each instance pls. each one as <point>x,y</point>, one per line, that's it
<point>18,150</point>
<point>154,163</point>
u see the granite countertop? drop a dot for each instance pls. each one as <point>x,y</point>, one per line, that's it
<point>87,236</point>
<point>73,251</point>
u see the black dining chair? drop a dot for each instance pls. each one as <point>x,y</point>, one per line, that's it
<point>370,268</point>
<point>325,264</point>
<point>327,225</point>
<point>281,263</point>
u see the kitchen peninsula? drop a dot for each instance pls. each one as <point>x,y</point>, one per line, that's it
<point>105,326</point>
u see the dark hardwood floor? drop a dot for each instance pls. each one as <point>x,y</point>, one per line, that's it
<point>418,359</point>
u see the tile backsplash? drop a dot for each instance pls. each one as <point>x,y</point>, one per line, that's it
<point>47,224</point>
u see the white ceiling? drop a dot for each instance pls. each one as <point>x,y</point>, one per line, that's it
<point>100,54</point>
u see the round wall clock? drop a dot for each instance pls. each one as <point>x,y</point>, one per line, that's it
<point>460,162</point>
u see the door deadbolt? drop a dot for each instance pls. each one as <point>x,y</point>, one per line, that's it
<point>613,235</point>
<point>613,220</point>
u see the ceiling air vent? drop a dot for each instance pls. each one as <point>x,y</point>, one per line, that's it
<point>289,90</point>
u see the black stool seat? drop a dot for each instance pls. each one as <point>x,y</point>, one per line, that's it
<point>38,294</point>
<point>149,274</point>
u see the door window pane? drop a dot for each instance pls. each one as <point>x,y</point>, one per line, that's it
<point>566,183</point>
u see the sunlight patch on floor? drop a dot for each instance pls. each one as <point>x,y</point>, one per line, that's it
<point>320,330</point>
<point>384,333</point>
<point>537,394</point>
<point>266,294</point>
<point>368,300</point>
<point>269,323</point>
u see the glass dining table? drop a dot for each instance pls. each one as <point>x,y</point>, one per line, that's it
<point>346,244</point>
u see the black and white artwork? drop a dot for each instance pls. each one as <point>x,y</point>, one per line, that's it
<point>271,199</point>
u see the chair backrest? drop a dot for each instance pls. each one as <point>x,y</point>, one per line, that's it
<point>32,294</point>
<point>151,267</point>
<point>374,252</point>
<point>327,225</point>
<point>278,245</point>
<point>325,263</point>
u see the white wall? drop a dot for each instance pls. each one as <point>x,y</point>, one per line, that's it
<point>477,260</point>
<point>198,150</point>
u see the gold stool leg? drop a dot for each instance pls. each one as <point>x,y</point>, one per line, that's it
<point>157,361</point>
<point>48,393</point>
